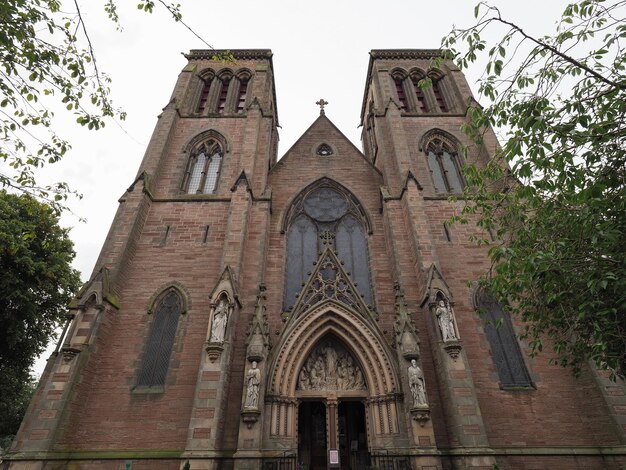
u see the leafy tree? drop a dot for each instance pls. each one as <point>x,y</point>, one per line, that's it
<point>16,390</point>
<point>554,194</point>
<point>48,62</point>
<point>36,284</point>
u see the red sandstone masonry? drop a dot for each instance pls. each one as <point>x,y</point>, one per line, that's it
<point>105,413</point>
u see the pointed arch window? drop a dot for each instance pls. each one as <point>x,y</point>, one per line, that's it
<point>505,349</point>
<point>242,94</point>
<point>445,167</point>
<point>439,96</point>
<point>154,366</point>
<point>398,80</point>
<point>222,99</point>
<point>204,95</point>
<point>203,169</point>
<point>320,216</point>
<point>420,97</point>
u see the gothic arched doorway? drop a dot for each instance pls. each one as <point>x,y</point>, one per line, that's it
<point>331,392</point>
<point>334,359</point>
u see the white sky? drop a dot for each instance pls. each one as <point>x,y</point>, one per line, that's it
<point>320,51</point>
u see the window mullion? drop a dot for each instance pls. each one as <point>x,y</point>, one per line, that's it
<point>444,173</point>
<point>205,170</point>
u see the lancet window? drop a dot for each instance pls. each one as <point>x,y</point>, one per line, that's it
<point>204,168</point>
<point>165,315</point>
<point>505,349</point>
<point>326,215</point>
<point>204,95</point>
<point>444,165</point>
<point>225,93</point>
<point>413,99</point>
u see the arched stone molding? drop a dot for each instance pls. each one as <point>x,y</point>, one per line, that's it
<point>244,74</point>
<point>225,74</point>
<point>357,209</point>
<point>178,287</point>
<point>444,136</point>
<point>417,73</point>
<point>435,74</point>
<point>361,338</point>
<point>206,74</point>
<point>204,136</point>
<point>398,73</point>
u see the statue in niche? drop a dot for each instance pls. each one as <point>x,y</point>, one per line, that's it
<point>330,367</point>
<point>252,392</point>
<point>446,321</point>
<point>416,384</point>
<point>220,319</point>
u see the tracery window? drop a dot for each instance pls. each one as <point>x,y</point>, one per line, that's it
<point>326,214</point>
<point>444,165</point>
<point>324,150</point>
<point>204,168</point>
<point>505,349</point>
<point>153,371</point>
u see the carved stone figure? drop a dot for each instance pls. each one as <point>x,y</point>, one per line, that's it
<point>446,322</point>
<point>252,392</point>
<point>330,367</point>
<point>416,384</point>
<point>220,319</point>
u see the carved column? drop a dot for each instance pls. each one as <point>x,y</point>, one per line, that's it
<point>332,421</point>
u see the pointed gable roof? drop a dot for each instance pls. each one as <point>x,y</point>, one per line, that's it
<point>318,125</point>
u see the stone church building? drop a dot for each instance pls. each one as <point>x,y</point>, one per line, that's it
<point>311,312</point>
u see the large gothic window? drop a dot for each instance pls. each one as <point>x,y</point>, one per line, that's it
<point>320,216</point>
<point>505,349</point>
<point>156,358</point>
<point>445,167</point>
<point>203,169</point>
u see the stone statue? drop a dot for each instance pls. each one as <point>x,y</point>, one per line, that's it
<point>446,322</point>
<point>416,384</point>
<point>252,392</point>
<point>220,319</point>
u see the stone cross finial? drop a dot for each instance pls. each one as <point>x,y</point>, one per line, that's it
<point>321,103</point>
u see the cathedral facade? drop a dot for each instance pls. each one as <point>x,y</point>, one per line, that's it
<point>311,312</point>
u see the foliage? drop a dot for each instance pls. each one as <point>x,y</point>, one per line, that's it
<point>49,63</point>
<point>554,195</point>
<point>16,390</point>
<point>36,283</point>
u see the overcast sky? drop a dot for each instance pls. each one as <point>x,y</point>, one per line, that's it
<point>320,51</point>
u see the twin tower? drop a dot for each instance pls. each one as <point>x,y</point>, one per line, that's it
<point>311,312</point>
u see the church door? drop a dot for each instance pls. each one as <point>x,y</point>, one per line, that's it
<point>352,435</point>
<point>312,435</point>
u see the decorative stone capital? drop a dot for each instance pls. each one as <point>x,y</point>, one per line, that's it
<point>453,348</point>
<point>69,353</point>
<point>421,414</point>
<point>250,416</point>
<point>214,350</point>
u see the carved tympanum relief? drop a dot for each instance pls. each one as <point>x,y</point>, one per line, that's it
<point>330,367</point>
